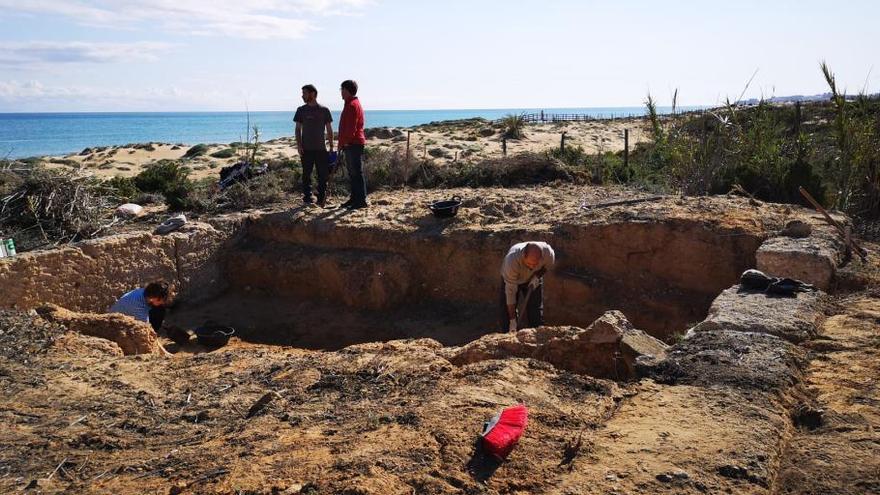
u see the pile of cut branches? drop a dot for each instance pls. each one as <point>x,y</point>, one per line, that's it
<point>40,207</point>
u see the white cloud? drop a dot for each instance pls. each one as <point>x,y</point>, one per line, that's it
<point>35,96</point>
<point>37,53</point>
<point>253,19</point>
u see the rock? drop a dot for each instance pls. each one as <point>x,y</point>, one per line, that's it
<point>734,472</point>
<point>380,133</point>
<point>608,329</point>
<point>438,152</point>
<point>797,229</point>
<point>129,210</point>
<point>806,416</point>
<point>680,475</point>
<point>664,477</point>
<point>813,259</point>
<point>795,318</point>
<point>486,132</point>
<point>595,351</point>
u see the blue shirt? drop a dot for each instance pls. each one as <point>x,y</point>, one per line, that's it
<point>133,304</point>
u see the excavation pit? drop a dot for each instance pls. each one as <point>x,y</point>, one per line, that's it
<point>284,404</point>
<point>326,279</point>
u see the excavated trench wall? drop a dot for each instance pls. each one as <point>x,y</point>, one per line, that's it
<point>662,275</point>
<point>90,275</point>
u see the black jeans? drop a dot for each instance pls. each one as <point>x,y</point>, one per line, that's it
<point>157,316</point>
<point>534,308</point>
<point>354,163</point>
<point>315,160</point>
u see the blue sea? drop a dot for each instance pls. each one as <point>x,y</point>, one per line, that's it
<point>37,134</point>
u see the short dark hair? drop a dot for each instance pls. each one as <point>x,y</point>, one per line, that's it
<point>310,88</point>
<point>350,86</point>
<point>158,289</point>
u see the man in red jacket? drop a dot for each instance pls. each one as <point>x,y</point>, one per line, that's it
<point>351,144</point>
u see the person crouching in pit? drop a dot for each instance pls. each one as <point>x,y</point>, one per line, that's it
<point>522,274</point>
<point>147,304</point>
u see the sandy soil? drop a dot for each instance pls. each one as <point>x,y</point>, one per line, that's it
<point>397,418</point>
<point>440,142</point>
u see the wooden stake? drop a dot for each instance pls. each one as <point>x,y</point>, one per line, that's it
<point>840,230</point>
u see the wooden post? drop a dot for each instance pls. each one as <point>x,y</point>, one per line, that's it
<point>625,148</point>
<point>407,161</point>
<point>504,146</point>
<point>562,143</point>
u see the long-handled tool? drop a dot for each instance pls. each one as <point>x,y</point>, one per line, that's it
<point>840,230</point>
<point>522,308</point>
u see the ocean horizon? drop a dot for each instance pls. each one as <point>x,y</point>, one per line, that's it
<point>46,134</point>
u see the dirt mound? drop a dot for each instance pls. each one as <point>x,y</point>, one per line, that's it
<point>132,336</point>
<point>77,344</point>
<point>608,348</point>
<point>723,357</point>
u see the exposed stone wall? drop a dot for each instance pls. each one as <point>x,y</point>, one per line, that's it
<point>91,275</point>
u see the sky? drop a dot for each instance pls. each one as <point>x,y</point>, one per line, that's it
<point>232,55</point>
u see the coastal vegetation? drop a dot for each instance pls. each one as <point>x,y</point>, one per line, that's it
<point>514,126</point>
<point>764,149</point>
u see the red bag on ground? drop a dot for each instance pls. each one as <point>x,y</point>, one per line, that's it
<point>502,432</point>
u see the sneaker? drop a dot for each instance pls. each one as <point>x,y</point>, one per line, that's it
<point>346,204</point>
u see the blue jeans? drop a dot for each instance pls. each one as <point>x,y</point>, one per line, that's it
<point>355,164</point>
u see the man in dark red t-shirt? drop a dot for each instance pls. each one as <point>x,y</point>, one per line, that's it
<point>351,144</point>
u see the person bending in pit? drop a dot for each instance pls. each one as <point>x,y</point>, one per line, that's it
<point>314,128</point>
<point>523,269</point>
<point>146,304</point>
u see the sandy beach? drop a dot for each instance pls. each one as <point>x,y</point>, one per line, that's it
<point>442,142</point>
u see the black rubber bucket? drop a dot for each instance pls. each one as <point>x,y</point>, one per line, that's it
<point>178,335</point>
<point>214,335</point>
<point>447,208</point>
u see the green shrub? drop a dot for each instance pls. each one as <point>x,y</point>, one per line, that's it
<point>224,153</point>
<point>124,187</point>
<point>514,126</point>
<point>168,178</point>
<point>197,150</point>
<point>161,176</point>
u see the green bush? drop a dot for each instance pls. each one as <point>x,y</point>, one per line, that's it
<point>197,150</point>
<point>124,187</point>
<point>161,176</point>
<point>514,126</point>
<point>168,178</point>
<point>224,153</point>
